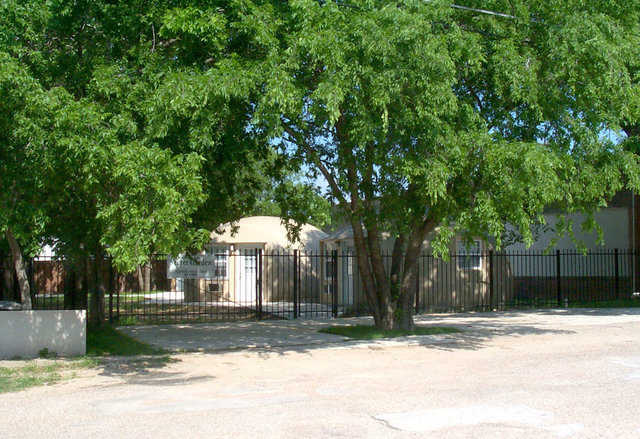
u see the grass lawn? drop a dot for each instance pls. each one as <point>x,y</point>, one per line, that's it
<point>101,342</point>
<point>366,332</point>
<point>106,340</point>
<point>616,303</point>
<point>13,379</point>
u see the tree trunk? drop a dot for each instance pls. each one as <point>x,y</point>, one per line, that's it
<point>147,276</point>
<point>395,312</point>
<point>75,286</point>
<point>96,303</point>
<point>21,272</point>
<point>69,287</point>
<point>392,300</point>
<point>405,312</point>
<point>121,282</point>
<point>387,316</point>
<point>82,282</point>
<point>364,268</point>
<point>140,278</point>
<point>377,293</point>
<point>7,279</point>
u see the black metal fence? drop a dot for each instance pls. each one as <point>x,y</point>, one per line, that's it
<point>252,284</point>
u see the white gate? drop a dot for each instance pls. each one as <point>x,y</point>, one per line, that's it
<point>247,274</point>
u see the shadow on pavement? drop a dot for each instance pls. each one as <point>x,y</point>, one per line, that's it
<point>147,370</point>
<point>303,336</point>
<point>263,339</point>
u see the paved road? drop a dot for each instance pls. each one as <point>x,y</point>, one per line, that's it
<point>541,375</point>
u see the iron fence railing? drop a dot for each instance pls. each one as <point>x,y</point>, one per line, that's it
<point>296,284</point>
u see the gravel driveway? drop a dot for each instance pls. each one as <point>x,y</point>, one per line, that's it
<point>550,374</point>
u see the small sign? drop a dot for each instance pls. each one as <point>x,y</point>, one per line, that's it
<point>200,266</point>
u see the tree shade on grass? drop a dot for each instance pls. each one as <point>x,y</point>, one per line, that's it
<point>616,303</point>
<point>366,332</point>
<point>106,340</point>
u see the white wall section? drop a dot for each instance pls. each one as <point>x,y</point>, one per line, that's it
<point>25,333</point>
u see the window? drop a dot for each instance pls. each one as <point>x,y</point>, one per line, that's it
<point>469,257</point>
<point>220,261</point>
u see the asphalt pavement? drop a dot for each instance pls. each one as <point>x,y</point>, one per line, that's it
<point>548,374</point>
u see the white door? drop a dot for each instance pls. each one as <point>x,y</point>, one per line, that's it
<point>247,274</point>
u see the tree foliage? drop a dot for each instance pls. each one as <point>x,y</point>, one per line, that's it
<point>425,120</point>
<point>103,154</point>
<point>431,121</point>
<point>24,118</point>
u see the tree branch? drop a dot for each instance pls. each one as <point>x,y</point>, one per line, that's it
<point>170,42</point>
<point>414,248</point>
<point>313,155</point>
<point>153,32</point>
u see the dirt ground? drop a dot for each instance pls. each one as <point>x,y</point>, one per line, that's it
<point>548,374</point>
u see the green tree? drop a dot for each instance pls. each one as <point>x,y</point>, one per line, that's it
<point>140,154</point>
<point>428,120</point>
<point>24,111</point>
<point>291,198</point>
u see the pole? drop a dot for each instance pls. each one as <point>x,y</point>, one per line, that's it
<point>334,281</point>
<point>634,247</point>
<point>110,290</point>
<point>617,271</point>
<point>490,279</point>
<point>558,278</point>
<point>418,286</point>
<point>259,282</point>
<point>295,283</point>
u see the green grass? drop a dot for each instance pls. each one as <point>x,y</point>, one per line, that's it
<point>616,303</point>
<point>629,302</point>
<point>106,340</point>
<point>13,379</point>
<point>366,332</point>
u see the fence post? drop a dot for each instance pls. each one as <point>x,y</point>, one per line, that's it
<point>491,293</point>
<point>295,283</point>
<point>617,271</point>
<point>118,299</point>
<point>558,277</point>
<point>334,281</point>
<point>259,283</point>
<point>32,283</point>
<point>111,290</point>
<point>418,285</point>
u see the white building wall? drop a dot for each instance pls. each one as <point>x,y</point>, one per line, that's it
<point>615,228</point>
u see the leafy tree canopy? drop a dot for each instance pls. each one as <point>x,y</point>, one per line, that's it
<point>292,199</point>
<point>25,113</point>
<point>138,168</point>
<point>426,118</point>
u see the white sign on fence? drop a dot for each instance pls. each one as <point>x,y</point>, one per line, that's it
<point>201,266</point>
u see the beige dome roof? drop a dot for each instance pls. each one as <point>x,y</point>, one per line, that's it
<point>268,230</point>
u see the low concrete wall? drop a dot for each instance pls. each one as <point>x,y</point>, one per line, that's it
<point>25,333</point>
